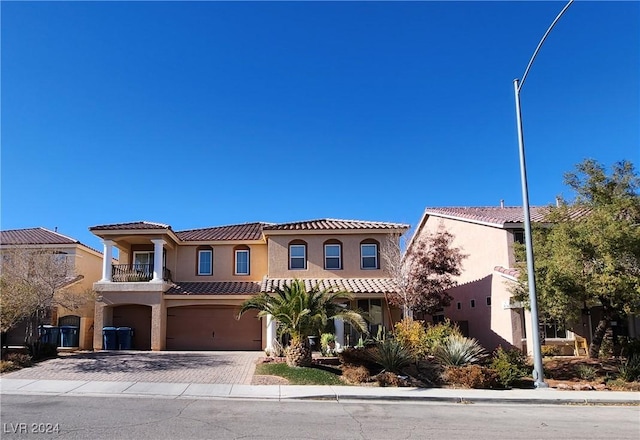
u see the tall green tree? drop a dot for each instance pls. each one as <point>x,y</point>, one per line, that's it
<point>589,251</point>
<point>303,312</point>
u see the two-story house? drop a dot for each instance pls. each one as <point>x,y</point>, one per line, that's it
<point>82,267</point>
<point>180,290</point>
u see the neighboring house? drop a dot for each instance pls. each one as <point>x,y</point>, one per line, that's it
<point>181,290</point>
<point>482,303</point>
<point>82,264</point>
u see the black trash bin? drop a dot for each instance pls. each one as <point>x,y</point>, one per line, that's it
<point>109,338</point>
<point>69,336</point>
<point>49,334</point>
<point>314,343</point>
<point>125,337</point>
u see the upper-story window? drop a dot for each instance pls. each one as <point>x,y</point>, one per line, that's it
<point>205,261</point>
<point>143,260</point>
<point>369,255</point>
<point>297,255</point>
<point>241,260</point>
<point>518,236</point>
<point>332,255</point>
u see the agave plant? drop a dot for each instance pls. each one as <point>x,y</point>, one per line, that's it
<point>458,351</point>
<point>303,312</point>
<point>392,356</point>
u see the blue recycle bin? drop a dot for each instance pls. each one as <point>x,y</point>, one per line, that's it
<point>125,338</point>
<point>109,338</point>
<point>69,336</point>
<point>49,334</point>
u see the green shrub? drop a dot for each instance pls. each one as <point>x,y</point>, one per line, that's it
<point>549,350</point>
<point>391,356</point>
<point>40,350</point>
<point>509,365</point>
<point>437,335</point>
<point>412,335</point>
<point>356,374</point>
<point>459,351</point>
<point>328,344</point>
<point>630,346</point>
<point>470,376</point>
<point>20,359</point>
<point>630,369</point>
<point>586,372</point>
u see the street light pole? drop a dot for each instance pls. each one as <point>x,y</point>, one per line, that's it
<point>538,375</point>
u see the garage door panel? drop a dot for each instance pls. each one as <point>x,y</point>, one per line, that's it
<point>212,328</point>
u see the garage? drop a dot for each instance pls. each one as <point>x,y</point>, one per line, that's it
<point>212,328</point>
<point>138,317</point>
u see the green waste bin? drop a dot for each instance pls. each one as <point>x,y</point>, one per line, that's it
<point>109,338</point>
<point>69,336</point>
<point>125,338</point>
<point>49,334</point>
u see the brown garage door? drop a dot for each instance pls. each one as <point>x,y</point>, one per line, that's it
<point>212,328</point>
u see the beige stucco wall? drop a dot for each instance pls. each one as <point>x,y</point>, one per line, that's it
<point>223,263</point>
<point>279,256</point>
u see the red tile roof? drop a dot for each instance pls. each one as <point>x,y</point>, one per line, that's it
<point>353,285</point>
<point>509,271</point>
<point>131,225</point>
<point>496,214</point>
<point>333,224</point>
<point>215,288</point>
<point>34,236</point>
<point>246,231</point>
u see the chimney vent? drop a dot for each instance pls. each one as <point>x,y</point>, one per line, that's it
<point>502,203</point>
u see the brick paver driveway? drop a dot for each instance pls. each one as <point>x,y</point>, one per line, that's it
<point>222,367</point>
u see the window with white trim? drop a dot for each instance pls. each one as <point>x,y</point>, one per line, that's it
<point>553,329</point>
<point>297,256</point>
<point>205,262</point>
<point>333,256</point>
<point>369,256</point>
<point>242,262</point>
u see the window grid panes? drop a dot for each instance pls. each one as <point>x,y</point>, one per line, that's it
<point>205,260</point>
<point>369,254</point>
<point>332,256</point>
<point>297,256</point>
<point>242,262</point>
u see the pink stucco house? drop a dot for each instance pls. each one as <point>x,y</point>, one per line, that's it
<point>482,304</point>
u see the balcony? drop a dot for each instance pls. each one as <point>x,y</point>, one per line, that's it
<point>133,273</point>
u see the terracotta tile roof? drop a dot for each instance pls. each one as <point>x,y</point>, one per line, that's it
<point>131,225</point>
<point>353,285</point>
<point>34,236</point>
<point>246,231</point>
<point>496,214</point>
<point>215,288</point>
<point>509,271</point>
<point>333,224</point>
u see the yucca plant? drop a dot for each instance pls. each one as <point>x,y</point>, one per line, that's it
<point>302,312</point>
<point>392,356</point>
<point>458,351</point>
<point>630,369</point>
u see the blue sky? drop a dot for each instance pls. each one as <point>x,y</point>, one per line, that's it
<point>211,113</point>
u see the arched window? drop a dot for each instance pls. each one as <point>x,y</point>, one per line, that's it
<point>297,255</point>
<point>241,260</point>
<point>205,260</point>
<point>369,254</point>
<point>332,255</point>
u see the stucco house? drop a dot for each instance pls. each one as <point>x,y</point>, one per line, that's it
<point>82,265</point>
<point>180,290</point>
<point>482,303</point>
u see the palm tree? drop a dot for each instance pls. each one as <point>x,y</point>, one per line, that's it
<point>303,312</point>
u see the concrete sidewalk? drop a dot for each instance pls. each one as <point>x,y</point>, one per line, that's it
<point>291,392</point>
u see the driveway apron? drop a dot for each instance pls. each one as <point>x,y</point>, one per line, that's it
<point>211,367</point>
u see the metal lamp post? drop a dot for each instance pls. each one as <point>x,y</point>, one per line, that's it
<point>538,375</point>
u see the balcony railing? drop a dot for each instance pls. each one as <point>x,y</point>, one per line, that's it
<point>132,273</point>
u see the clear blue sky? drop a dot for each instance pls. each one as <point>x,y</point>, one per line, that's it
<point>209,113</point>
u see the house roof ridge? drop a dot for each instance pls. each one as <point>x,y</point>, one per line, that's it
<point>225,226</point>
<point>144,222</point>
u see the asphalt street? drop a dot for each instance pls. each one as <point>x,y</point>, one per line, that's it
<point>84,417</point>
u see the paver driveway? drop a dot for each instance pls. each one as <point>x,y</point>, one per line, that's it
<point>222,367</point>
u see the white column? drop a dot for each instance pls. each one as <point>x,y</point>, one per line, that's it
<point>107,261</point>
<point>339,325</point>
<point>271,331</point>
<point>157,260</point>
